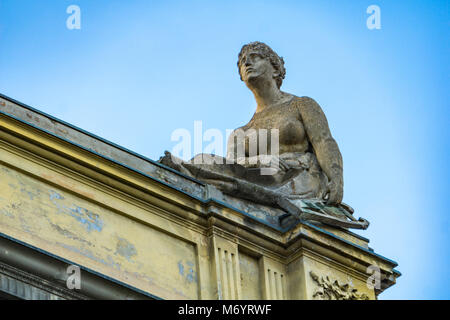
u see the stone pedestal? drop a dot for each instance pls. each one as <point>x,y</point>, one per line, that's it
<point>74,197</point>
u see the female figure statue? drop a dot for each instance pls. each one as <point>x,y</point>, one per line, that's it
<point>308,162</point>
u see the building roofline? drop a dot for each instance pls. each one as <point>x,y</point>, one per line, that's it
<point>92,135</point>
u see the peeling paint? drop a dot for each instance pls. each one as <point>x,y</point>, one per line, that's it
<point>180,268</point>
<point>125,248</point>
<point>55,195</point>
<point>29,193</point>
<point>24,224</point>
<point>87,253</point>
<point>89,219</point>
<point>190,264</point>
<point>191,275</point>
<point>69,234</point>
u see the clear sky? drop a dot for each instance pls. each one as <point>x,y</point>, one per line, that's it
<point>138,70</point>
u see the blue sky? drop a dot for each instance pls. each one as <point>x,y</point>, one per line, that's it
<point>138,70</point>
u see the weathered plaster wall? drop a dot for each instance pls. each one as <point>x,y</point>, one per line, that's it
<point>94,236</point>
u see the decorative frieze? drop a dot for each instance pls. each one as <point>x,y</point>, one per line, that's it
<point>333,290</point>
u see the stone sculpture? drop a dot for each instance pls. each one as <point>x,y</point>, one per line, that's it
<point>302,172</point>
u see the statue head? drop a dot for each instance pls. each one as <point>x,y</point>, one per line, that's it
<point>265,52</point>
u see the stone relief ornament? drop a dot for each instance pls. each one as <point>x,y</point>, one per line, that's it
<point>333,290</point>
<point>302,174</point>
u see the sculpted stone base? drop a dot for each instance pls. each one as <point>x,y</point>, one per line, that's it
<point>245,184</point>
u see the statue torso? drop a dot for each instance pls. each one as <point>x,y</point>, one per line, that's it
<point>286,118</point>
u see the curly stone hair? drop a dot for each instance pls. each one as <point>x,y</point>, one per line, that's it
<point>266,52</point>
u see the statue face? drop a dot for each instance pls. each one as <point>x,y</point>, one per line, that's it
<point>254,66</point>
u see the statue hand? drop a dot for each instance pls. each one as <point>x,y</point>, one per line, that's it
<point>272,161</point>
<point>335,193</point>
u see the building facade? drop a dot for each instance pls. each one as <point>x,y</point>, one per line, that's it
<point>83,218</point>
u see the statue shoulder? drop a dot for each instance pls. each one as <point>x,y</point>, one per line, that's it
<point>236,133</point>
<point>239,130</point>
<point>305,101</point>
<point>309,108</point>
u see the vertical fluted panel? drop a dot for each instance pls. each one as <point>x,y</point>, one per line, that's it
<point>275,285</point>
<point>228,274</point>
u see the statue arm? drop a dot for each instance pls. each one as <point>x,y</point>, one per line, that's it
<point>232,146</point>
<point>325,147</point>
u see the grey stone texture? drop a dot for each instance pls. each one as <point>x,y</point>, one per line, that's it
<point>306,164</point>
